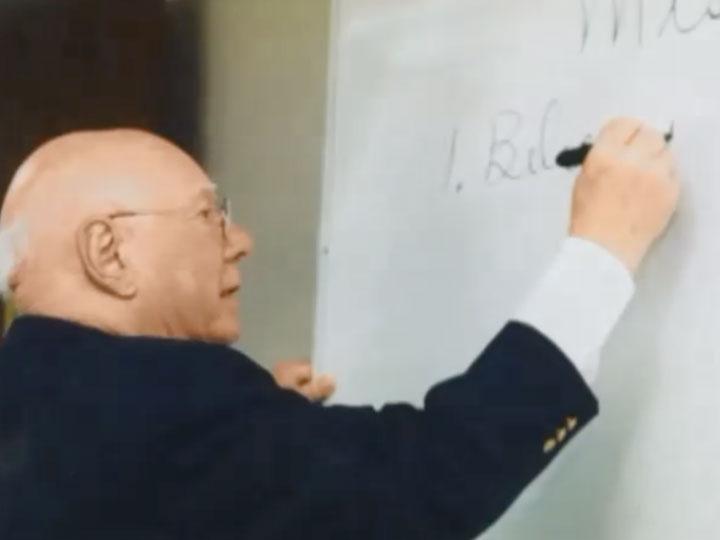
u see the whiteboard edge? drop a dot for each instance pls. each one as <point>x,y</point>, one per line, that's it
<point>328,179</point>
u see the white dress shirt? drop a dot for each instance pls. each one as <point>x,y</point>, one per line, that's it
<point>578,301</point>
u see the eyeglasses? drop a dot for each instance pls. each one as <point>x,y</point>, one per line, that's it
<point>218,212</point>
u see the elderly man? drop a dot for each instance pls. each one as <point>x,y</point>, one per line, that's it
<point>124,414</point>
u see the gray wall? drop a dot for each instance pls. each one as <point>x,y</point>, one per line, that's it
<point>264,119</point>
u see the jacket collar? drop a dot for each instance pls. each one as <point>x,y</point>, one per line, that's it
<point>36,328</point>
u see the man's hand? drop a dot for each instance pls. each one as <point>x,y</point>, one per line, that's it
<point>298,375</point>
<point>626,192</point>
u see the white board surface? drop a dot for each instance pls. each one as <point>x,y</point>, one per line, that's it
<point>442,206</point>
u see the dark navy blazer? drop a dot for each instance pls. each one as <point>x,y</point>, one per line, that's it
<point>107,438</point>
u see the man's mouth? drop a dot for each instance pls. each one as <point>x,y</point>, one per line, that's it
<point>229,291</point>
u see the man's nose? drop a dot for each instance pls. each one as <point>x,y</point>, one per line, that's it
<point>238,243</point>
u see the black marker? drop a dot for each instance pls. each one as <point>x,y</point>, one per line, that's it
<point>574,157</point>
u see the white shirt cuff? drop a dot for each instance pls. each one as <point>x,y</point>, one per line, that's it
<point>578,302</point>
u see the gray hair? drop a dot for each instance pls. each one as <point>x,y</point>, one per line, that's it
<point>13,240</point>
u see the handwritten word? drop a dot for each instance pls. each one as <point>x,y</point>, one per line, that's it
<point>508,160</point>
<point>678,16</point>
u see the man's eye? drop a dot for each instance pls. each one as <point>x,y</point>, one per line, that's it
<point>206,213</point>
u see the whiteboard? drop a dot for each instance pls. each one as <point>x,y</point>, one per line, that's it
<point>442,207</point>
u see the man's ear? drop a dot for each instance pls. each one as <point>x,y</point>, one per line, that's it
<point>98,243</point>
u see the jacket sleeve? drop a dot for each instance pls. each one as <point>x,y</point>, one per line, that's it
<point>451,469</point>
<point>446,471</point>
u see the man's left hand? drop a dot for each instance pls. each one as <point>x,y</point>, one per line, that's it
<point>298,375</point>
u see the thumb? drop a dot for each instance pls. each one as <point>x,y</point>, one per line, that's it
<point>319,388</point>
<point>292,373</point>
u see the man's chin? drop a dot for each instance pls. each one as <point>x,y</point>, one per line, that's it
<point>226,332</point>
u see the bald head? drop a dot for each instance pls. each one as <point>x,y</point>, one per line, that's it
<point>102,216</point>
<point>97,171</point>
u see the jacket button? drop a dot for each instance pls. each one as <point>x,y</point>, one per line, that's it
<point>549,446</point>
